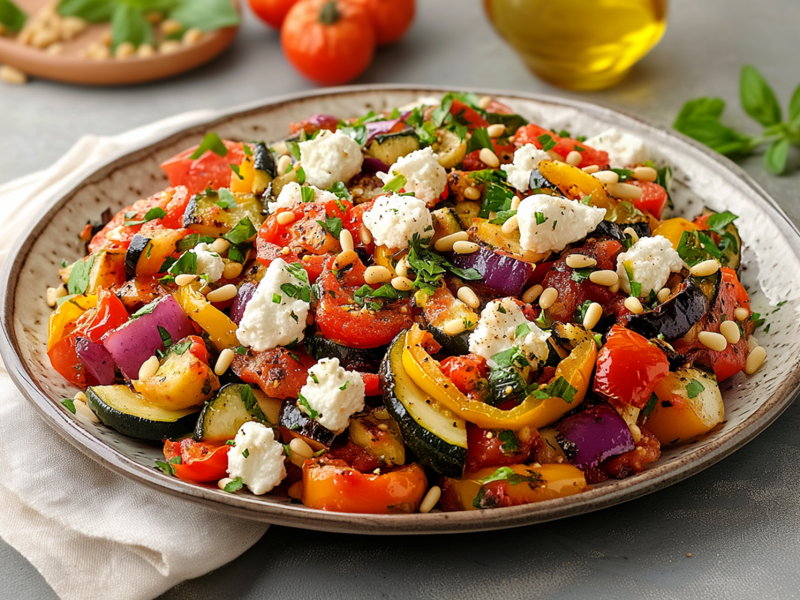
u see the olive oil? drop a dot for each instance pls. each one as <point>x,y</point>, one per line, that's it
<point>580,44</point>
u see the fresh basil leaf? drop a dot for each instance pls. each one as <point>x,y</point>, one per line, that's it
<point>561,388</point>
<point>758,99</point>
<point>794,109</point>
<point>441,112</point>
<point>508,474</point>
<point>79,276</point>
<point>480,139</point>
<point>166,338</point>
<point>206,15</point>
<point>547,142</point>
<point>69,404</point>
<point>185,265</point>
<point>226,199</point>
<point>192,240</point>
<point>716,136</point>
<point>503,216</point>
<point>719,221</point>
<point>303,402</point>
<point>243,231</point>
<point>12,17</point>
<point>128,24</point>
<point>308,194</point>
<point>522,330</point>
<point>332,225</point>
<point>182,347</point>
<point>94,11</point>
<point>694,388</point>
<point>358,132</point>
<point>776,156</point>
<point>339,189</point>
<point>211,142</point>
<point>154,213</point>
<point>497,199</point>
<point>510,442</point>
<point>396,184</point>
<point>233,485</point>
<point>301,175</point>
<point>701,108</point>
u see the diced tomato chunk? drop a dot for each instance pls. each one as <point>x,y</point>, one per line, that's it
<point>209,170</point>
<point>654,197</point>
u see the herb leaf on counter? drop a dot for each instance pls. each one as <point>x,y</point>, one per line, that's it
<point>12,17</point>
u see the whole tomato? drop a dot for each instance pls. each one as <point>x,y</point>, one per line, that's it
<point>390,18</point>
<point>272,12</point>
<point>328,41</point>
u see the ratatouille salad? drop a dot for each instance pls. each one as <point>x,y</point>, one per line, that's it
<point>441,305</point>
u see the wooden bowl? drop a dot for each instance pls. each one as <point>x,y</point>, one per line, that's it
<point>69,66</point>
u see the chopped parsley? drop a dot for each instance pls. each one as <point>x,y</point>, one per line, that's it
<point>522,330</point>
<point>69,404</point>
<point>304,404</point>
<point>276,298</point>
<point>332,225</point>
<point>345,386</point>
<point>154,213</point>
<point>510,442</point>
<point>301,175</point>
<point>581,275</point>
<point>540,218</point>
<point>233,485</point>
<point>192,240</point>
<point>395,184</point>
<point>211,142</point>
<point>79,275</point>
<point>242,232</point>
<point>560,388</point>
<point>235,169</point>
<point>547,142</point>
<point>503,216</point>
<point>308,194</point>
<point>357,132</point>
<point>508,474</point>
<point>430,266</point>
<point>339,189</point>
<point>226,199</point>
<point>480,139</point>
<point>694,388</point>
<point>636,288</point>
<point>182,347</point>
<point>245,453</point>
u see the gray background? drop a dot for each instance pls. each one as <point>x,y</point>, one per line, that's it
<point>740,520</point>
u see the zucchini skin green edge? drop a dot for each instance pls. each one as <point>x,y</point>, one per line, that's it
<point>430,450</point>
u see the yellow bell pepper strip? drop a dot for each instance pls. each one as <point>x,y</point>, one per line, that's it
<point>242,183</point>
<point>214,322</point>
<point>62,321</point>
<point>493,487</point>
<point>673,230</point>
<point>576,369</point>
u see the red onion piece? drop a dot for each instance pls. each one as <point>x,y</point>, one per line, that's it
<point>97,361</point>
<point>370,166</point>
<point>240,303</point>
<point>503,274</point>
<point>594,435</point>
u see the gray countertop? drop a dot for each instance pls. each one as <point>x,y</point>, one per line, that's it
<point>739,520</point>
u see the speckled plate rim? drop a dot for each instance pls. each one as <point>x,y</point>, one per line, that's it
<point>249,507</point>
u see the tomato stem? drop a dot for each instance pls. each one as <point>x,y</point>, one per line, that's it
<point>329,13</point>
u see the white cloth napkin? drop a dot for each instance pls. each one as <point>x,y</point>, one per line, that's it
<point>91,533</point>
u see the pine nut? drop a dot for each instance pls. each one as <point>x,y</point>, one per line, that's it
<point>82,408</point>
<point>606,278</point>
<point>232,270</point>
<point>591,169</point>
<point>284,162</point>
<point>365,235</point>
<point>705,268</point>
<point>645,174</point>
<point>53,294</point>
<point>462,247</point>
<point>624,191</point>
<point>125,50</point>
<point>170,47</point>
<point>454,327</point>
<point>714,341</point>
<point>223,294</point>
<point>515,202</point>
<point>548,298</point>
<point>346,240</point>
<point>741,314</point>
<point>489,158</point>
<point>755,359</point>
<point>377,274</point>
<point>402,284</point>
<point>614,288</point>
<point>348,257</point>
<point>80,397</point>
<point>468,297</point>
<point>55,49</point>
<point>472,193</point>
<point>146,51</point>
<point>510,226</point>
<point>298,446</point>
<point>285,218</point>
<point>445,244</point>
<point>220,245</point>
<point>401,268</point>
<point>149,368</point>
<point>524,434</point>
<point>192,36</point>
<point>295,490</point>
<point>574,158</point>
<point>484,102</point>
<point>631,233</point>
<point>170,27</point>
<point>496,130</point>
<point>633,305</point>
<point>731,331</point>
<point>752,343</point>
<point>223,362</point>
<point>185,279</point>
<point>579,261</point>
<point>555,156</point>
<point>607,177</point>
<point>663,295</point>
<point>532,293</point>
<point>223,482</point>
<point>12,75</point>
<point>592,316</point>
<point>636,432</point>
<point>430,500</point>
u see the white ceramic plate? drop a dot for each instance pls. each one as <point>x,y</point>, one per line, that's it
<point>771,259</point>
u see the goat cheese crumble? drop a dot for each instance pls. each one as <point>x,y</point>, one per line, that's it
<point>273,317</point>
<point>548,223</point>
<point>257,458</point>
<point>623,149</point>
<point>526,159</point>
<point>503,326</point>
<point>651,260</point>
<point>393,220</point>
<point>291,195</point>
<point>331,395</point>
<point>208,262</point>
<point>425,177</point>
<point>330,157</point>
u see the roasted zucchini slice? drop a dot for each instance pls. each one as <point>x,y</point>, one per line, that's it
<point>146,253</point>
<point>391,146</point>
<point>445,222</point>
<point>120,408</point>
<point>205,216</point>
<point>442,307</point>
<point>232,407</point>
<point>450,148</point>
<point>437,436</point>
<point>366,360</point>
<point>295,423</point>
<point>467,212</point>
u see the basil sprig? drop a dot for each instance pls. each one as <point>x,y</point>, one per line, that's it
<point>700,119</point>
<point>12,17</point>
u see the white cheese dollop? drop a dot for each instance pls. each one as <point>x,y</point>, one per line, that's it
<point>330,157</point>
<point>393,220</point>
<point>208,262</point>
<point>548,224</point>
<point>497,332</point>
<point>623,149</point>
<point>526,159</point>
<point>336,394</point>
<point>291,195</point>
<point>425,177</point>
<point>257,458</point>
<point>272,318</point>
<point>651,260</point>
